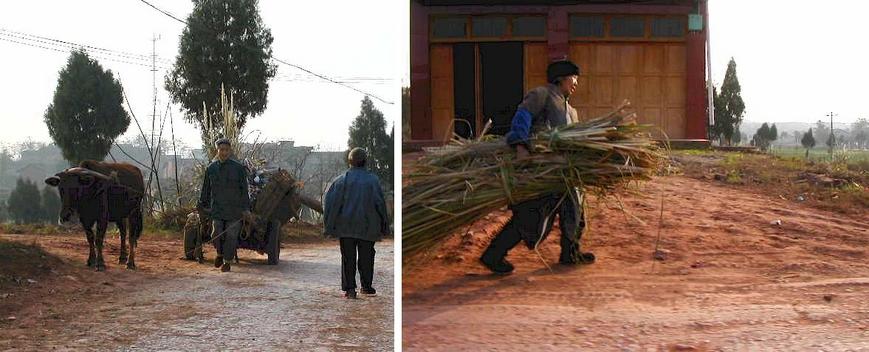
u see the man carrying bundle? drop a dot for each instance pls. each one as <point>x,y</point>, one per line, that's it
<point>225,200</point>
<point>542,108</point>
<point>355,213</point>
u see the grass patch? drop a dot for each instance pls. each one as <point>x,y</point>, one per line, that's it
<point>786,177</point>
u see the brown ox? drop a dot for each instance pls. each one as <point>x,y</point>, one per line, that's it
<point>100,193</point>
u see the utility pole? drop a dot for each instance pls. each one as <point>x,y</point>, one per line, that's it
<point>832,137</point>
<point>154,152</point>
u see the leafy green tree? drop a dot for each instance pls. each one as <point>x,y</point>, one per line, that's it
<point>86,114</point>
<point>808,141</point>
<point>24,202</point>
<point>822,131</point>
<point>368,131</point>
<point>831,140</point>
<point>729,106</point>
<point>225,44</point>
<point>773,133</point>
<point>50,205</point>
<point>761,137</point>
<point>861,138</point>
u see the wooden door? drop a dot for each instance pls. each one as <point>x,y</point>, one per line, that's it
<point>442,105</point>
<point>650,75</point>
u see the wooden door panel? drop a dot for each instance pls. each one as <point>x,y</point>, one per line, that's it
<point>676,56</point>
<point>674,91</point>
<point>603,59</point>
<point>650,116</point>
<point>601,91</point>
<point>653,59</point>
<point>442,109</point>
<point>674,123</point>
<point>536,60</point>
<point>627,88</point>
<point>651,89</point>
<point>628,59</point>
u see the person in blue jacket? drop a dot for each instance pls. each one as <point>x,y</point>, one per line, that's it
<point>542,108</point>
<point>355,213</point>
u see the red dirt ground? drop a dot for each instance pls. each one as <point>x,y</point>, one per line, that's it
<point>49,299</point>
<point>731,280</point>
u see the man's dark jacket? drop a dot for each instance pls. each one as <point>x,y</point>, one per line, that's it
<point>224,190</point>
<point>354,207</point>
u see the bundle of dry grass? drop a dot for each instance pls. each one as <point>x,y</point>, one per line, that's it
<point>461,183</point>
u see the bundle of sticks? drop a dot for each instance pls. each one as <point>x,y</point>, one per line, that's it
<point>468,179</point>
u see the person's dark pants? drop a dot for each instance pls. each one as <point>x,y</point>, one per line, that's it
<point>532,221</point>
<point>349,249</point>
<point>227,242</point>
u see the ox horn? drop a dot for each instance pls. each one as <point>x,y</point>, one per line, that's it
<point>88,172</point>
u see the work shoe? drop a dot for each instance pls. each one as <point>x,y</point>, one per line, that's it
<point>218,261</point>
<point>225,268</point>
<point>582,258</point>
<point>498,267</point>
<point>369,291</point>
<point>350,294</point>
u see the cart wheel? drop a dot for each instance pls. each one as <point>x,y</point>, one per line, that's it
<point>273,248</point>
<point>190,235</point>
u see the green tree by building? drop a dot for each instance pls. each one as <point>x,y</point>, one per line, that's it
<point>86,115</point>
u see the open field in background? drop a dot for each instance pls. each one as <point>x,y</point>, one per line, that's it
<point>855,158</point>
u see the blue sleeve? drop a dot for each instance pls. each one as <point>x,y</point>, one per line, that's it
<point>329,207</point>
<point>380,207</point>
<point>520,128</point>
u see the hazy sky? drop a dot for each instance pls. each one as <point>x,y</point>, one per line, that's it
<point>353,39</point>
<point>796,60</point>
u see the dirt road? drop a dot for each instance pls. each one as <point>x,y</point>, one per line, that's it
<point>731,281</point>
<point>171,304</point>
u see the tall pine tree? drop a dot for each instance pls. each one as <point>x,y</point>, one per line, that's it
<point>808,141</point>
<point>24,202</point>
<point>225,44</point>
<point>50,205</point>
<point>368,131</point>
<point>728,105</point>
<point>86,115</point>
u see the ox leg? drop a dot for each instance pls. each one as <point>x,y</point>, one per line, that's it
<point>135,231</point>
<point>100,239</point>
<point>92,256</point>
<point>122,229</point>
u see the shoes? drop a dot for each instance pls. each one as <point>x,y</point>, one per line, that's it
<point>369,291</point>
<point>498,267</point>
<point>350,294</point>
<point>581,258</point>
<point>225,268</point>
<point>218,261</point>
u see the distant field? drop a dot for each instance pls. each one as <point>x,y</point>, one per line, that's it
<point>853,157</point>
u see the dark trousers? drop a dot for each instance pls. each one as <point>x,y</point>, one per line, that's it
<point>532,221</point>
<point>349,248</point>
<point>227,244</point>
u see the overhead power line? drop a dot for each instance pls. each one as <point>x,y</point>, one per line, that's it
<point>58,42</point>
<point>64,49</point>
<point>323,77</point>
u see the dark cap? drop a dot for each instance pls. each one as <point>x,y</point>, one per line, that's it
<point>220,141</point>
<point>561,68</point>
